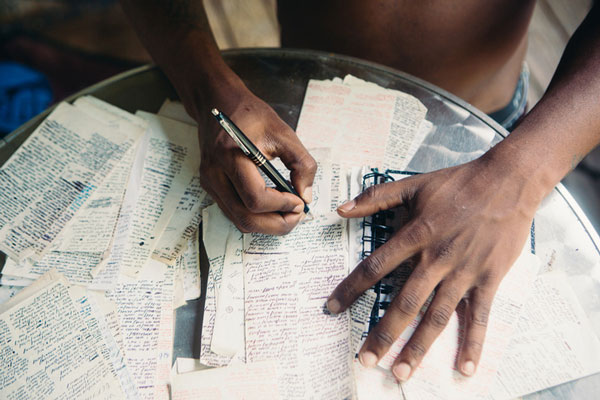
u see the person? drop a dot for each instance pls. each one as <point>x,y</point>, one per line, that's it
<point>469,222</point>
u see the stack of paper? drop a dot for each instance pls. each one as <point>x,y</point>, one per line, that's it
<point>99,220</point>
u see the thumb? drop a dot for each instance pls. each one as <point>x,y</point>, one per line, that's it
<point>379,197</point>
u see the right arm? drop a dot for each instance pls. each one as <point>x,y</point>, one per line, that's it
<point>179,39</point>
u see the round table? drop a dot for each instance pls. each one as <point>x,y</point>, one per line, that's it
<point>460,133</point>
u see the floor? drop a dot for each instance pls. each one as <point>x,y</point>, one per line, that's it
<point>77,45</point>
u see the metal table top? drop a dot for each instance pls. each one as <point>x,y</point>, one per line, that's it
<point>460,133</point>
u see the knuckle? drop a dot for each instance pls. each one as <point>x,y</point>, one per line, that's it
<point>439,316</point>
<point>347,290</point>
<point>473,345</point>
<point>417,234</point>
<point>308,163</point>
<point>420,274</point>
<point>245,223</point>
<point>452,294</point>
<point>407,303</point>
<point>285,228</point>
<point>444,250</point>
<point>383,338</point>
<point>415,349</point>
<point>480,317</point>
<point>373,267</point>
<point>490,277</point>
<point>370,194</point>
<point>253,202</point>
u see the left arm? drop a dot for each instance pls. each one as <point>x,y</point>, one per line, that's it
<point>469,222</point>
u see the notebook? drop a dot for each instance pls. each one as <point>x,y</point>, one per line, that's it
<point>437,375</point>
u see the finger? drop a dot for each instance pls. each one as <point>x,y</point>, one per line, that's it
<point>246,221</point>
<point>253,191</point>
<point>436,318</point>
<point>402,310</point>
<point>403,245</point>
<point>379,197</point>
<point>477,314</point>
<point>298,160</point>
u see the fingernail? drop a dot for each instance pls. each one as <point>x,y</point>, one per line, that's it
<point>348,206</point>
<point>334,306</point>
<point>401,371</point>
<point>368,359</point>
<point>298,209</point>
<point>468,368</point>
<point>307,195</point>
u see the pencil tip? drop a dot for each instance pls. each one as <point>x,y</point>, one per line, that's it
<point>215,112</point>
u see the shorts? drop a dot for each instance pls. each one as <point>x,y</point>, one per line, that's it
<point>516,107</point>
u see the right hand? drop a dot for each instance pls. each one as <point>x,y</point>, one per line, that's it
<point>233,180</point>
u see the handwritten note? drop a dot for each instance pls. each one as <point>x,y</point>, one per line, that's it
<point>145,311</point>
<point>553,342</point>
<point>169,165</point>
<point>437,375</point>
<point>215,233</point>
<point>287,279</point>
<point>50,177</point>
<point>254,381</point>
<point>52,347</point>
<point>364,123</point>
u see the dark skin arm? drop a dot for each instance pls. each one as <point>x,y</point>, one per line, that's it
<point>470,222</point>
<point>178,36</point>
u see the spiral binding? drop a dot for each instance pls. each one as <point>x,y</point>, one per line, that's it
<point>376,231</point>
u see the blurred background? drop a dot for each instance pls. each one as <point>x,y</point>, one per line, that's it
<point>50,49</point>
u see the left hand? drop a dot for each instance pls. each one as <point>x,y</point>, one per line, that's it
<point>467,226</point>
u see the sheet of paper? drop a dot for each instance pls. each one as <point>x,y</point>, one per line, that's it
<point>363,123</point>
<point>190,265</point>
<point>106,275</point>
<point>171,161</point>
<point>85,242</point>
<point>360,311</point>
<point>110,315</point>
<point>183,224</point>
<point>553,342</point>
<point>100,318</point>
<point>178,296</point>
<point>376,383</point>
<point>255,381</point>
<point>7,292</point>
<point>76,265</point>
<point>111,114</point>
<point>11,280</point>
<point>145,310</point>
<point>34,288</point>
<point>175,110</point>
<point>228,331</point>
<point>437,376</point>
<point>49,178</point>
<point>407,134</point>
<point>287,280</point>
<point>93,227</point>
<point>184,365</point>
<point>63,354</point>
<point>215,232</point>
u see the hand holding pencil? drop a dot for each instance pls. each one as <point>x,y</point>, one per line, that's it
<point>232,178</point>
